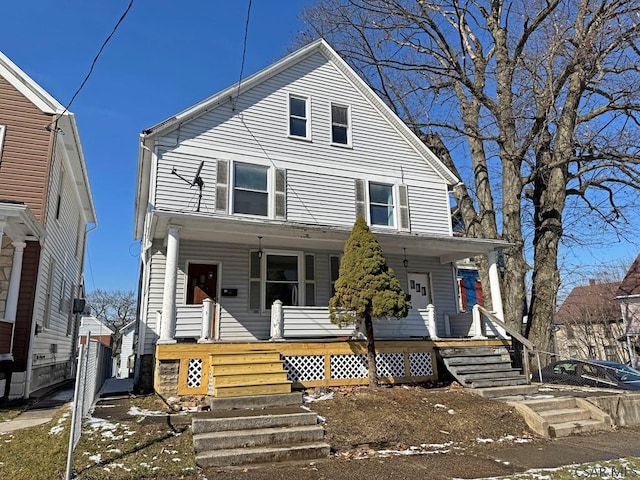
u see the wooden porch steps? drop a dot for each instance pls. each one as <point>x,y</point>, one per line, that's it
<point>482,367</point>
<point>239,374</point>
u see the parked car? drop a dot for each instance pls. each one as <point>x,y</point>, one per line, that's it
<point>589,373</point>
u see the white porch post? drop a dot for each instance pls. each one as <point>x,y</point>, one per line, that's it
<point>14,282</point>
<point>167,329</point>
<point>207,312</point>
<point>477,322</point>
<point>494,286</point>
<point>432,325</point>
<point>276,320</point>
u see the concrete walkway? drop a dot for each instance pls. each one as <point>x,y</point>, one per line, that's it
<point>40,412</point>
<point>45,408</point>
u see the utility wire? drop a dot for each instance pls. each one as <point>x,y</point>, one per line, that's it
<point>95,60</point>
<point>244,52</point>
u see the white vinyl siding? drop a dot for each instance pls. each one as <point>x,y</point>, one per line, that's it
<point>65,226</point>
<point>319,181</point>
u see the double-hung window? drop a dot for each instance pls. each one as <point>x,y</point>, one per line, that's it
<point>340,132</point>
<point>299,122</point>
<point>381,206</point>
<point>250,189</point>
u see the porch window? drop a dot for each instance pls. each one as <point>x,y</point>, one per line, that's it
<point>299,117</point>
<point>250,189</point>
<point>381,207</point>
<point>284,276</point>
<point>340,131</point>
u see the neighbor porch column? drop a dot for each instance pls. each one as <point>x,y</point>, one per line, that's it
<point>276,320</point>
<point>14,282</point>
<point>168,327</point>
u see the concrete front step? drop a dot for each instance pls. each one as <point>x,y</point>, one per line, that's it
<point>563,415</point>
<point>506,391</point>
<point>249,455</point>
<point>556,403</point>
<point>218,421</point>
<point>572,428</point>
<point>255,401</point>
<point>499,382</point>
<point>257,437</point>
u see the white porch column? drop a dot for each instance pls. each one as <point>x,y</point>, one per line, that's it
<point>14,282</point>
<point>168,327</point>
<point>276,320</point>
<point>207,316</point>
<point>432,325</point>
<point>477,322</point>
<point>494,285</point>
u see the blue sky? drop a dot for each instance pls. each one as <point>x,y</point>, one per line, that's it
<point>166,56</point>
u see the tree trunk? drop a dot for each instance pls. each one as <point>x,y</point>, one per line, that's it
<point>371,352</point>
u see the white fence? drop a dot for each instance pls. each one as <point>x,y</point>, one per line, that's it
<point>94,367</point>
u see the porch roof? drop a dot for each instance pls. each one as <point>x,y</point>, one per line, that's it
<point>21,224</point>
<point>209,227</point>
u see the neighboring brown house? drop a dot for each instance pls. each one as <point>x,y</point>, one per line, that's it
<point>45,207</point>
<point>588,324</point>
<point>628,295</point>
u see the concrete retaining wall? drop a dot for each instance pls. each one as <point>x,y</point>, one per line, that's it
<point>624,410</point>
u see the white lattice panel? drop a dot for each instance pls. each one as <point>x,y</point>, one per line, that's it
<point>348,366</point>
<point>194,373</point>
<point>420,364</point>
<point>390,364</point>
<point>304,367</point>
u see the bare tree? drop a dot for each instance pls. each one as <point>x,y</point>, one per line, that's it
<point>540,97</point>
<point>116,308</point>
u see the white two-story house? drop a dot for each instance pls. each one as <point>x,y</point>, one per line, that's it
<point>247,198</point>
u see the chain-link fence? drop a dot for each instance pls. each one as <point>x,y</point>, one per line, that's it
<point>94,367</point>
<point>565,370</point>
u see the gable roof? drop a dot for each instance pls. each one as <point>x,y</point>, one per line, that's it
<point>590,303</point>
<point>630,285</point>
<point>231,92</point>
<point>66,124</point>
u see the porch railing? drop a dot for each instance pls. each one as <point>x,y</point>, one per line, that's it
<point>526,344</point>
<point>196,321</point>
<point>314,322</point>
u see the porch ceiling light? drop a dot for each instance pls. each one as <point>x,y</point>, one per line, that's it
<point>405,262</point>
<point>260,252</point>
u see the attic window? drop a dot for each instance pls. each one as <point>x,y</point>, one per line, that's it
<point>340,131</point>
<point>299,117</point>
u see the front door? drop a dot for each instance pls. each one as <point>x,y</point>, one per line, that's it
<point>420,290</point>
<point>202,283</point>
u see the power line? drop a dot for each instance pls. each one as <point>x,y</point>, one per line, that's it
<point>244,52</point>
<point>95,60</point>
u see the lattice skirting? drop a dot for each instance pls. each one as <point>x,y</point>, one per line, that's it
<point>194,373</point>
<point>308,368</point>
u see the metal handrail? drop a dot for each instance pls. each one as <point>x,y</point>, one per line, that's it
<point>518,336</point>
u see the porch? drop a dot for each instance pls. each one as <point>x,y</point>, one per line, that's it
<point>188,368</point>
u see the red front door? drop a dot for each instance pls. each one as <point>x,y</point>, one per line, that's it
<point>202,283</point>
